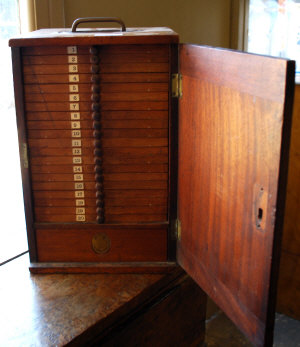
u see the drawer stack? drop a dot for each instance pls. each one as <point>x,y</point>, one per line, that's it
<point>97,121</point>
<point>57,85</point>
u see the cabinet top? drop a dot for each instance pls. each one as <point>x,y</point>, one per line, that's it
<point>96,36</point>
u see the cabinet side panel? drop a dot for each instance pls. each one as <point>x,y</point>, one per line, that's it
<point>23,148</point>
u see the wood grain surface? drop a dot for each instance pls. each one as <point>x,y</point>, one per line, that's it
<point>62,37</point>
<point>233,128</point>
<point>81,309</point>
<point>128,244</point>
<point>22,137</point>
<point>134,97</point>
<point>108,78</point>
<point>165,324</point>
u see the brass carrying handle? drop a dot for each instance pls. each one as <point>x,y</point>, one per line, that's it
<point>97,19</point>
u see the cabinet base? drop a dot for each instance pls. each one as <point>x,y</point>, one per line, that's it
<point>117,268</point>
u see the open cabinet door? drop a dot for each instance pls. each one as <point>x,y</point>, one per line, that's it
<point>234,127</point>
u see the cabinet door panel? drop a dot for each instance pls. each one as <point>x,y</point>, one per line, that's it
<point>233,138</point>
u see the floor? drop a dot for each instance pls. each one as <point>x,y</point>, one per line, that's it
<point>221,332</point>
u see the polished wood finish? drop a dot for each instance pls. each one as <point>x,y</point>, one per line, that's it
<point>104,97</point>
<point>288,298</point>
<point>22,136</point>
<point>227,152</point>
<point>75,245</point>
<point>103,268</point>
<point>136,126</point>
<point>62,37</point>
<point>233,137</point>
<point>104,68</point>
<point>106,88</point>
<point>142,116</point>
<point>113,77</point>
<point>86,309</point>
<point>165,326</point>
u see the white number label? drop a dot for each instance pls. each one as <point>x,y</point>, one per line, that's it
<point>78,177</point>
<point>72,59</point>
<point>73,78</point>
<point>80,210</point>
<point>75,115</point>
<point>76,133</point>
<point>74,97</point>
<point>77,160</point>
<point>77,168</point>
<point>73,88</point>
<point>74,107</point>
<point>75,125</point>
<point>72,49</point>
<point>80,202</point>
<point>80,218</point>
<point>79,186</point>
<point>79,194</point>
<point>76,151</point>
<point>73,68</point>
<point>76,143</point>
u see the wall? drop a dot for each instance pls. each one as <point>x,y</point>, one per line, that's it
<point>206,22</point>
<point>197,21</point>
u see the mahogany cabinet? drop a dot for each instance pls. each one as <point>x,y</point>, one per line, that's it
<point>138,153</point>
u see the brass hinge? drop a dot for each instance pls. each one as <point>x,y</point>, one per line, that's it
<point>178,230</point>
<point>176,85</point>
<point>25,155</point>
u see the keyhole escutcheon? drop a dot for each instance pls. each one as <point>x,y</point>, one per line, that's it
<point>260,207</point>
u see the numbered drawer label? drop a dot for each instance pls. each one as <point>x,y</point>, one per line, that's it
<point>79,194</point>
<point>73,68</point>
<point>77,160</point>
<point>73,88</point>
<point>72,49</point>
<point>76,133</point>
<point>77,169</point>
<point>76,143</point>
<point>79,186</point>
<point>73,97</point>
<point>74,107</point>
<point>75,115</point>
<point>72,59</point>
<point>75,125</point>
<point>76,151</point>
<point>78,177</point>
<point>80,218</point>
<point>80,210</point>
<point>80,202</point>
<point>73,78</point>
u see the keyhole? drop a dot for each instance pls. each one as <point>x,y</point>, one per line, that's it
<point>259,216</point>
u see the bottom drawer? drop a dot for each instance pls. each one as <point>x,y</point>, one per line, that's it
<point>101,244</point>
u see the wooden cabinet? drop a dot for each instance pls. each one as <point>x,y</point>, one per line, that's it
<point>96,126</point>
<point>116,175</point>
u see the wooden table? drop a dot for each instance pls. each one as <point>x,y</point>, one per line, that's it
<point>107,310</point>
